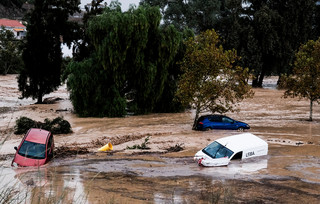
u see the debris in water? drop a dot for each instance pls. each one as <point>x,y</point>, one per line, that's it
<point>107,147</point>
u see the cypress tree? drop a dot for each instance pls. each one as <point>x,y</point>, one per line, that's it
<point>47,26</point>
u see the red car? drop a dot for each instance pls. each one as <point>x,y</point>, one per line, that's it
<point>36,148</point>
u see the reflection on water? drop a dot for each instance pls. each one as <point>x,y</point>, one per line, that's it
<point>169,180</point>
<point>74,182</point>
<point>162,198</point>
<point>172,167</point>
<point>63,181</point>
<point>9,185</point>
<point>101,182</point>
<point>41,185</point>
<point>239,169</point>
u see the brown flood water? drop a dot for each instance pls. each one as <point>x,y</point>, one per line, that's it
<point>289,174</point>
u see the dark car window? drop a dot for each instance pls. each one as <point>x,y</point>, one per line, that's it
<point>32,150</point>
<point>215,118</point>
<point>227,120</point>
<point>201,119</point>
<point>216,150</point>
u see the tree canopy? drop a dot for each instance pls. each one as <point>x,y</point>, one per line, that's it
<point>47,27</point>
<point>82,47</point>
<point>134,56</point>
<point>304,82</point>
<point>11,3</point>
<point>211,81</point>
<point>265,33</point>
<point>10,53</point>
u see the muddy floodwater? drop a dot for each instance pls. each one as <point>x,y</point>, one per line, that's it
<point>290,173</point>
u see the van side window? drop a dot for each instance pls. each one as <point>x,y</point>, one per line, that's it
<point>237,156</point>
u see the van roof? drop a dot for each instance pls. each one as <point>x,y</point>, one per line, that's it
<point>242,142</point>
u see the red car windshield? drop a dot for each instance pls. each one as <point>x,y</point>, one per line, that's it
<point>32,150</point>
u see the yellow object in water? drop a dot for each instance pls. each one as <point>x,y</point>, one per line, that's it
<point>107,147</point>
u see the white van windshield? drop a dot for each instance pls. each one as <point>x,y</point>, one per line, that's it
<point>216,150</point>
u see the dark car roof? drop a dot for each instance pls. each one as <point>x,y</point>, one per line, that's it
<point>210,115</point>
<point>37,135</point>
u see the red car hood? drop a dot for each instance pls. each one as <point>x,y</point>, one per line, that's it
<point>23,161</point>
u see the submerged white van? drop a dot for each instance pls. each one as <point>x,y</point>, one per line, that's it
<point>221,151</point>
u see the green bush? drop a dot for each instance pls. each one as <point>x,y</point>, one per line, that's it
<point>23,124</point>
<point>55,126</point>
<point>58,125</point>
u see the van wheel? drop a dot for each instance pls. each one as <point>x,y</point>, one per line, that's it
<point>240,129</point>
<point>207,129</point>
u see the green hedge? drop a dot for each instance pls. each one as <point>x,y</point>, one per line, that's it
<point>55,126</point>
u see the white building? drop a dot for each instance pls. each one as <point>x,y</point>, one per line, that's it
<point>18,29</point>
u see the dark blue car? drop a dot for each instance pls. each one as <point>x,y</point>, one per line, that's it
<point>208,122</point>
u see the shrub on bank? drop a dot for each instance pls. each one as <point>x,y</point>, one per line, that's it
<point>56,126</point>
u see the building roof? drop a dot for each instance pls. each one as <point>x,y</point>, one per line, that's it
<point>11,23</point>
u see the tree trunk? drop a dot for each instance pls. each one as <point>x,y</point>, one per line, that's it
<point>258,80</point>
<point>261,77</point>
<point>195,119</point>
<point>255,81</point>
<point>311,105</point>
<point>280,82</point>
<point>5,69</point>
<point>39,99</point>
